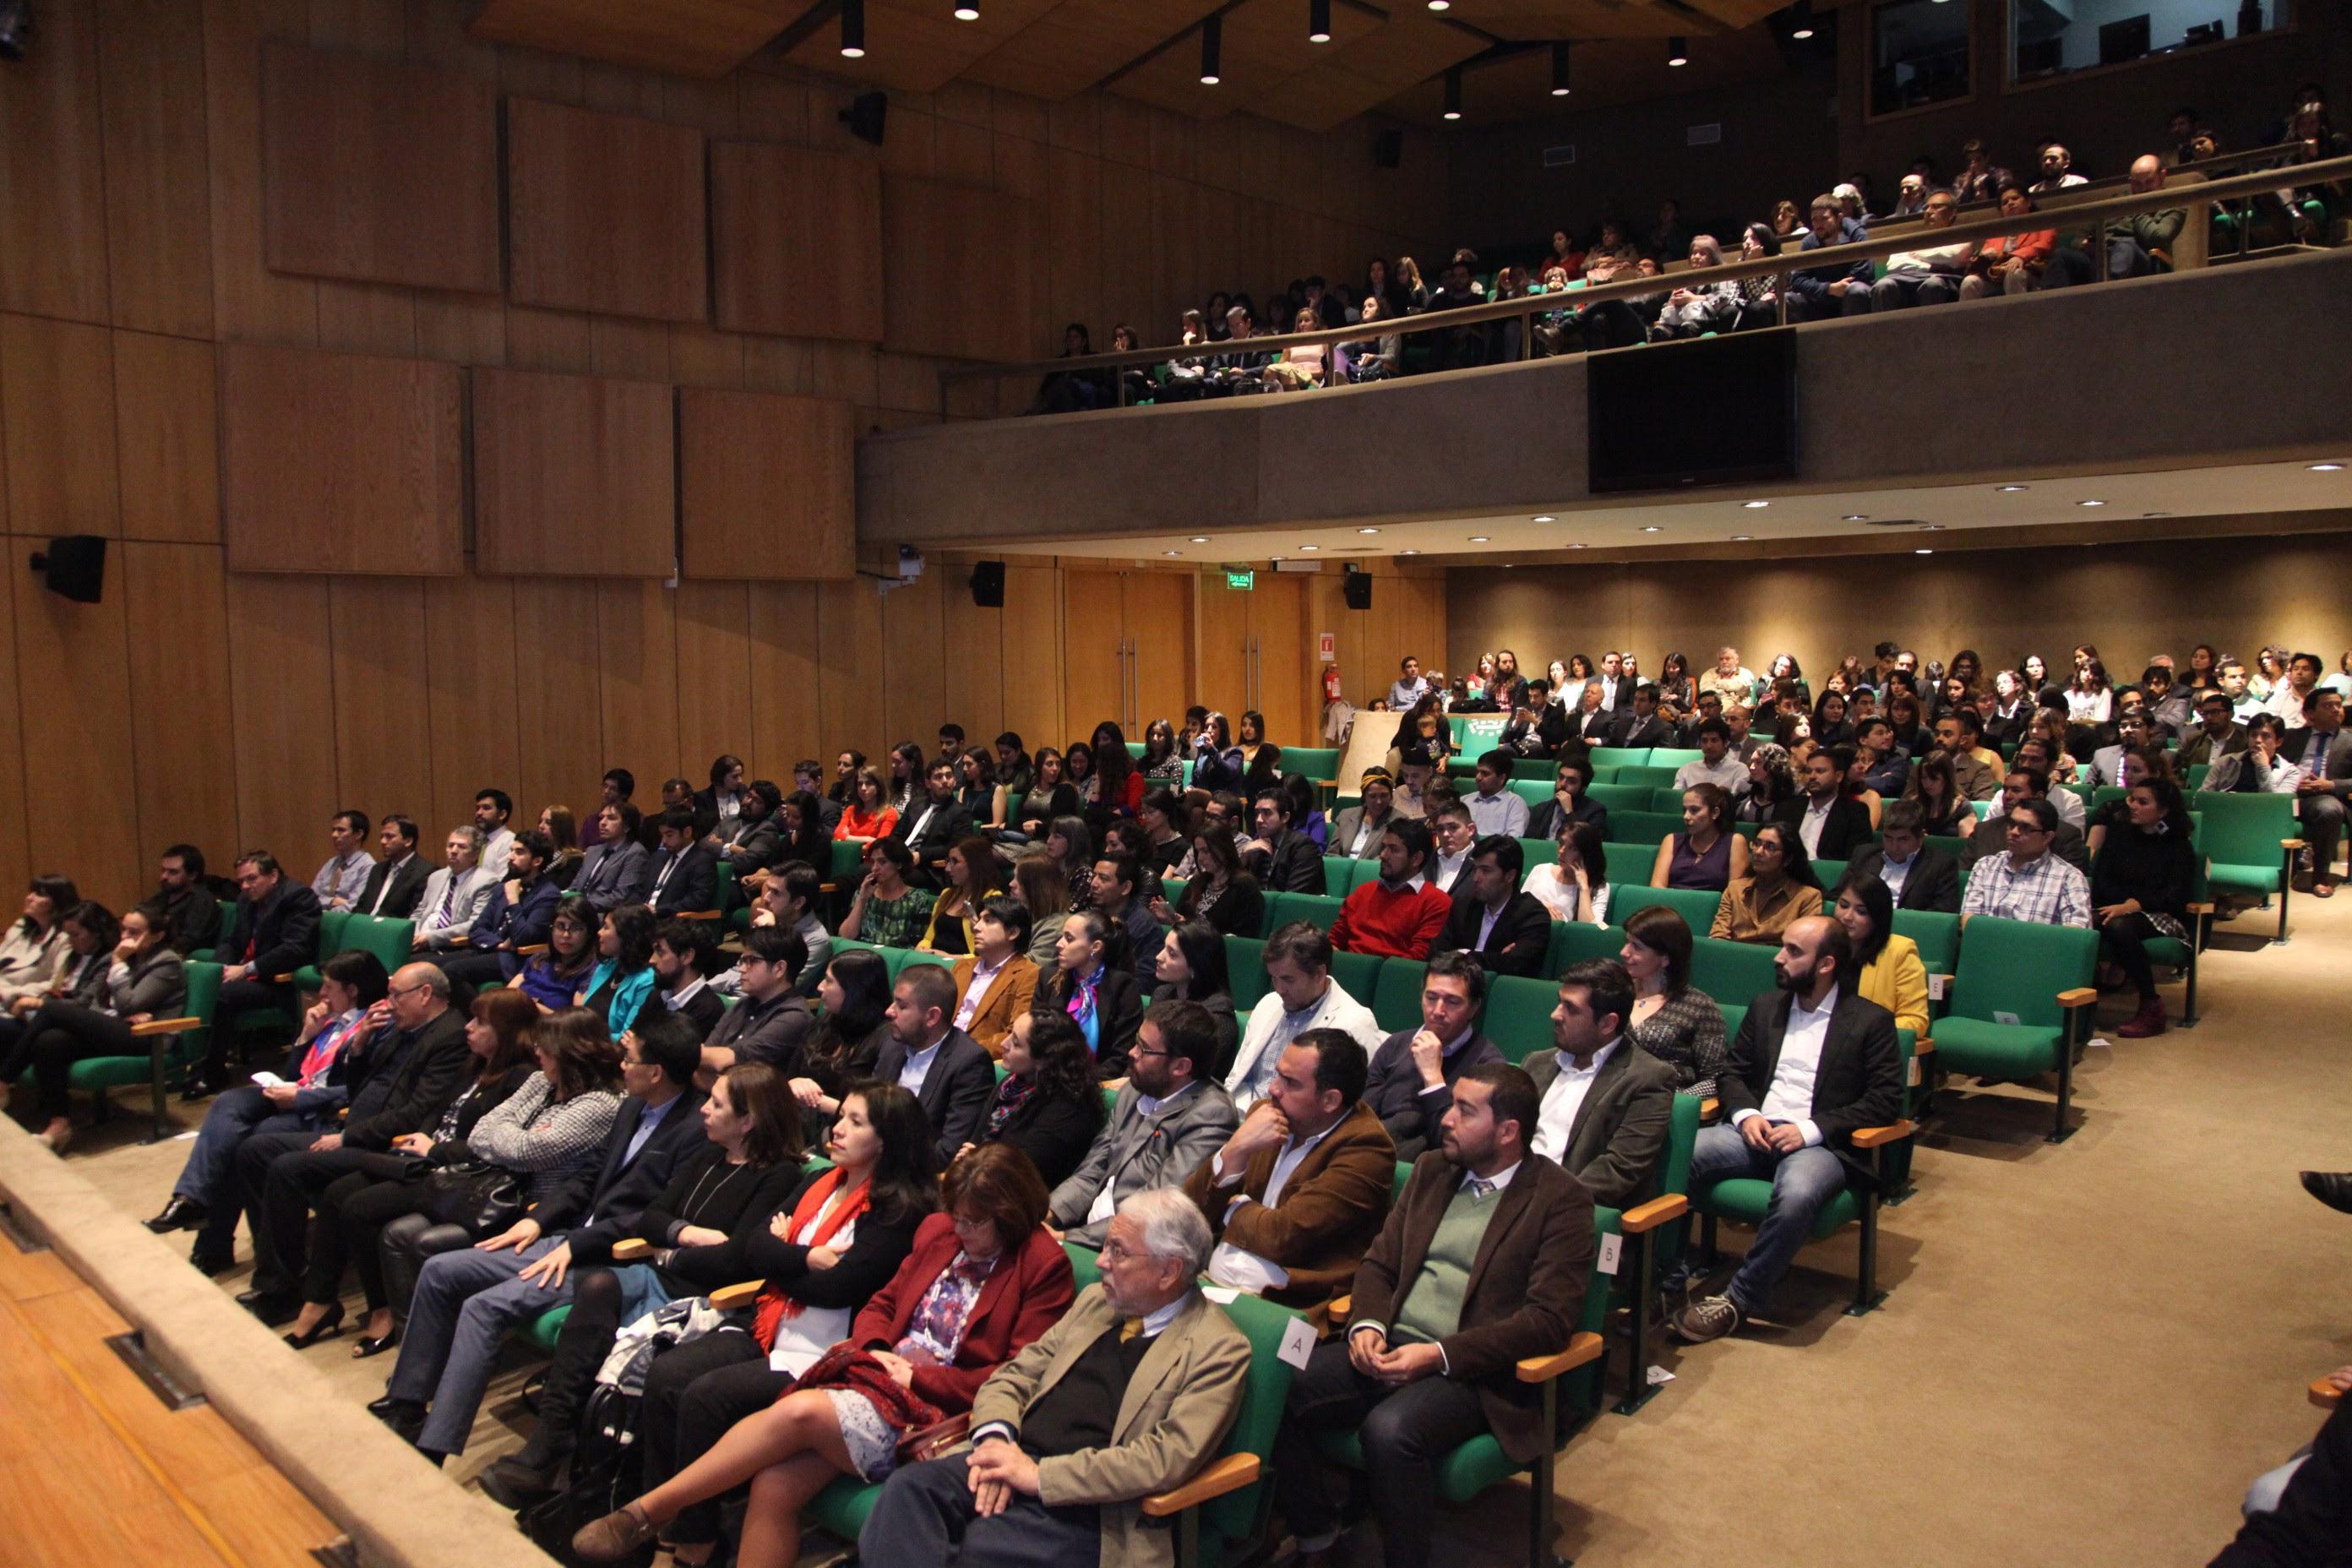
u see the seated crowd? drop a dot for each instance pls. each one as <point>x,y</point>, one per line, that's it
<point>567,1092</point>
<point>1212,362</point>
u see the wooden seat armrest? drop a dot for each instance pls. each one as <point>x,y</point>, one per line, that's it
<point>1709,1109</point>
<point>699,914</point>
<point>1581,1349</point>
<point>2296,844</point>
<point>533,951</point>
<point>2080,997</point>
<point>1229,1474</point>
<point>1334,1310</point>
<point>1924,1046</point>
<point>285,979</point>
<point>1648,1216</point>
<point>632,1249</point>
<point>726,1298</point>
<point>1874,1136</point>
<point>2323,1393</point>
<point>165,1026</point>
<point>1324,783</point>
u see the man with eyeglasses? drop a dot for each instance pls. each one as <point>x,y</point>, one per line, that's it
<point>1929,276</point>
<point>2026,881</point>
<point>1822,292</point>
<point>1990,839</point>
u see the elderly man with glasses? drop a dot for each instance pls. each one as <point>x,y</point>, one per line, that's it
<point>2027,882</point>
<point>1929,276</point>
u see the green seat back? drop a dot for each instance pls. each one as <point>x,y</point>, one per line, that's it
<point>1937,936</point>
<point>1173,888</point>
<point>1619,798</point>
<point>1535,791</point>
<point>1396,995</point>
<point>96,1074</point>
<point>915,955</point>
<point>729,895</point>
<point>844,943</point>
<point>1628,862</point>
<point>1311,763</point>
<point>1695,905</point>
<point>1339,873</point>
<point>1246,970</point>
<point>1955,848</point>
<point>2018,968</point>
<point>331,924</point>
<point>1672,757</point>
<point>1519,1015</point>
<point>1733,973</point>
<point>1644,827</point>
<point>1621,756</point>
<point>1542,768</point>
<point>849,859</point>
<point>1652,777</point>
<point>389,940</point>
<point>1732,1016</point>
<point>1358,975</point>
<point>1318,909</point>
<point>2197,773</point>
<point>1830,873</point>
<point>2241,834</point>
<point>1574,943</point>
<point>1362,872</point>
<point>1664,798</point>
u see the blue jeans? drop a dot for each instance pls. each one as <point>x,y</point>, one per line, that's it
<point>466,1303</point>
<point>1803,1185</point>
<point>208,1177</point>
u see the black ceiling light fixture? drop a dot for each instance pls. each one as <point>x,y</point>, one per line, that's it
<point>1318,21</point>
<point>1454,93</point>
<point>852,30</point>
<point>967,10</point>
<point>1213,49</point>
<point>1560,70</point>
<point>1801,20</point>
<point>1677,51</point>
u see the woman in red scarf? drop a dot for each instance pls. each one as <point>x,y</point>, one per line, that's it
<point>985,1278</point>
<point>823,1255</point>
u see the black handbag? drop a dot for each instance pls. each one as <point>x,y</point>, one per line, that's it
<point>480,1199</point>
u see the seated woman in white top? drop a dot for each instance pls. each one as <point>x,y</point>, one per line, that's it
<point>1575,885</point>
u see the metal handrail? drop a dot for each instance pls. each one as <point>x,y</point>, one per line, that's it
<point>2092,213</point>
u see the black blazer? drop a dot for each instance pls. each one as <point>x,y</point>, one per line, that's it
<point>1858,1084</point>
<point>1119,1001</point>
<point>1633,731</point>
<point>1296,866</point>
<point>693,886</point>
<point>959,1088</point>
<point>1518,944</point>
<point>407,887</point>
<point>403,1085</point>
<point>1847,829</point>
<point>1055,1132</point>
<point>1595,726</point>
<point>951,822</point>
<point>756,842</point>
<point>283,929</point>
<point>623,1186</point>
<point>1543,822</point>
<point>1933,885</point>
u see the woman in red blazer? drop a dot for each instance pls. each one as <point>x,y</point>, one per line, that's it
<point>985,1278</point>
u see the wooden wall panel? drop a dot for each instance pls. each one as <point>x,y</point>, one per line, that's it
<point>282,712</point>
<point>340,463</point>
<point>796,241</point>
<point>52,182</point>
<point>185,769</point>
<point>767,486</point>
<point>1033,652</point>
<point>975,637</point>
<point>378,171</point>
<point>928,305</point>
<point>56,408</point>
<point>556,657</point>
<point>849,639</point>
<point>913,656</point>
<point>714,698</point>
<point>573,475</point>
<point>16,869</point>
<point>481,713</point>
<point>158,184</point>
<point>604,211</point>
<point>784,680</point>
<point>73,684</point>
<point>638,655</point>
<point>167,438</point>
<point>250,302</point>
<point>377,633</point>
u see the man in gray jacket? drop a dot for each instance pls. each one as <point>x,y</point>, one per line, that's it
<point>1606,1102</point>
<point>1170,1118</point>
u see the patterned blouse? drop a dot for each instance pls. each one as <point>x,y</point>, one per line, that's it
<point>900,922</point>
<point>936,1331</point>
<point>1686,1034</point>
<point>549,1141</point>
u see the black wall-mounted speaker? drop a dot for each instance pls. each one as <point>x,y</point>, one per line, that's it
<point>1359,587</point>
<point>988,584</point>
<point>75,566</point>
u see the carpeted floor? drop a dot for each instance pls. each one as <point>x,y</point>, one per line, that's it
<point>2088,1350</point>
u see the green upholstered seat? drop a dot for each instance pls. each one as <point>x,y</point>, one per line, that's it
<point>1358,975</point>
<point>1396,997</point>
<point>1674,756</point>
<point>2244,843</point>
<point>1519,1015</point>
<point>1339,873</point>
<point>1246,970</point>
<point>1621,756</point>
<point>540,1332</point>
<point>1937,937</point>
<point>1173,888</point>
<point>1645,828</point>
<point>1695,905</point>
<point>1734,973</point>
<point>1627,861</point>
<point>2007,1020</point>
<point>1533,791</point>
<point>1541,768</point>
<point>1318,909</point>
<point>170,1053</point>
<point>1574,941</point>
<point>331,924</point>
<point>1664,798</point>
<point>1619,798</point>
<point>1654,777</point>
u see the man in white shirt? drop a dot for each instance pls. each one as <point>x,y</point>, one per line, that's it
<point>1495,806</point>
<point>1615,690</point>
<point>1409,687</point>
<point>2034,757</point>
<point>2303,673</point>
<point>1606,1102</point>
<point>2057,170</point>
<point>1456,835</point>
<point>1813,1068</point>
<point>1716,764</point>
<point>491,809</point>
<point>1304,996</point>
<point>2243,703</point>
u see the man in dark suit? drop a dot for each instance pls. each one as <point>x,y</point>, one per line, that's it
<point>517,914</point>
<point>1606,1101</point>
<point>1283,859</point>
<point>1568,801</point>
<point>1507,931</point>
<point>1594,721</point>
<point>189,908</point>
<point>398,881</point>
<point>273,931</point>
<point>2322,753</point>
<point>1410,1084</point>
<point>1991,834</point>
<point>1537,726</point>
<point>1483,1262</point>
<point>686,875</point>
<point>938,1064</point>
<point>1832,822</point>
<point>933,825</point>
<point>1814,1065</point>
<point>619,868</point>
<point>467,1300</point>
<point>1919,874</point>
<point>1640,725</point>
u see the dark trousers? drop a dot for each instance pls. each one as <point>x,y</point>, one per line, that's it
<point>586,1339</point>
<point>239,1123</point>
<point>925,1515</point>
<point>348,1217</point>
<point>278,1177</point>
<point>406,1245</point>
<point>2321,820</point>
<point>694,1394</point>
<point>2121,943</point>
<point>236,998</point>
<point>472,965</point>
<point>57,1036</point>
<point>1404,1431</point>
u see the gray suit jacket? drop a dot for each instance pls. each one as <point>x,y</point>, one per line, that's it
<point>1350,823</point>
<point>1135,1152</point>
<point>615,874</point>
<point>473,891</point>
<point>1619,1136</point>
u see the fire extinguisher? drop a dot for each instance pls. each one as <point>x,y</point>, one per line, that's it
<point>1331,684</point>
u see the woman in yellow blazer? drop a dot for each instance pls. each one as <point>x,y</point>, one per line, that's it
<point>1008,980</point>
<point>1887,967</point>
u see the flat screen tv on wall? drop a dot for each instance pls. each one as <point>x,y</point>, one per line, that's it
<point>1685,415</point>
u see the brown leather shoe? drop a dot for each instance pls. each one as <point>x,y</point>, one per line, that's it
<point>2149,1020</point>
<point>615,1536</point>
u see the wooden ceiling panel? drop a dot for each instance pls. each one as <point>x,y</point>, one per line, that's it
<point>1533,20</point>
<point>689,38</point>
<point>1374,68</point>
<point>1079,42</point>
<point>1264,46</point>
<point>918,46</point>
<point>1607,72</point>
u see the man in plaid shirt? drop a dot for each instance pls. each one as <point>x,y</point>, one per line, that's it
<point>2028,882</point>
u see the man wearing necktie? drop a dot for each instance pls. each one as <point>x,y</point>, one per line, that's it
<point>2325,789</point>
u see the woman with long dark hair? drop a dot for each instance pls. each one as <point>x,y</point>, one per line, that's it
<point>555,978</point>
<point>1771,782</point>
<point>1120,788</point>
<point>1094,989</point>
<point>1078,767</point>
<point>1049,795</point>
<point>33,949</point>
<point>867,815</point>
<point>1944,810</point>
<point>1672,1020</point>
<point>1779,887</point>
<point>801,818</point>
<point>1707,854</point>
<point>1574,884</point>
<point>1886,967</point>
<point>848,1038</point>
<point>973,874</point>
<point>1261,759</point>
<point>1192,968</point>
<point>1162,764</point>
<point>907,771</point>
<point>623,988</point>
<point>2143,867</point>
<point>1044,890</point>
<point>1220,892</point>
<point>1047,1105</point>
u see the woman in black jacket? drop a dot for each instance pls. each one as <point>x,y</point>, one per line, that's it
<point>750,1167</point>
<point>1192,968</point>
<point>2142,870</point>
<point>840,1240</point>
<point>847,1041</point>
<point>1090,984</point>
<point>1048,1105</point>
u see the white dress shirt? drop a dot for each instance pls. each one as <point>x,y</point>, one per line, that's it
<point>1809,825</point>
<point>1450,866</point>
<point>1272,1027</point>
<point>919,1066</point>
<point>1563,1098</point>
<point>1791,1098</point>
<point>1231,1267</point>
<point>495,850</point>
<point>982,976</point>
<point>1895,873</point>
<point>1501,813</point>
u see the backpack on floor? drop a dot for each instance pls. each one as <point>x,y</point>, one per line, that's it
<point>606,1473</point>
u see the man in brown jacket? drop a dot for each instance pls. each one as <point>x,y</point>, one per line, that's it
<point>997,984</point>
<point>1483,1264</point>
<point>1299,1190</point>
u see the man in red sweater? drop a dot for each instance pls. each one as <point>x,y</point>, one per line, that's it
<point>1400,915</point>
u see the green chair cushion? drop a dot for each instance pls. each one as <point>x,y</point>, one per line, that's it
<point>1745,1199</point>
<point>1573,944</point>
<point>1245,970</point>
<point>1358,975</point>
<point>1997,1050</point>
<point>1396,995</point>
<point>540,1332</point>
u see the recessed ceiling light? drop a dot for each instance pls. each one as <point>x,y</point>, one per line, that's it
<point>1576,546</point>
<point>2156,514</point>
<point>1407,553</point>
<point>1172,552</point>
<point>2327,467</point>
<point>1543,517</point>
<point>1755,505</point>
<point>2090,503</point>
<point>1653,528</point>
<point>1200,539</point>
<point>1367,531</point>
<point>1931,527</point>
<point>1310,547</point>
<point>1857,517</point>
<point>2008,489</point>
<point>1479,539</point>
<point>1923,553</point>
<point>1741,537</point>
<point>967,12</point>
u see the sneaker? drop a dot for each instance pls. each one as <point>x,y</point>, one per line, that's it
<point>1708,1318</point>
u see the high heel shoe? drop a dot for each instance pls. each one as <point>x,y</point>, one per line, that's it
<point>615,1536</point>
<point>370,1345</point>
<point>329,1326</point>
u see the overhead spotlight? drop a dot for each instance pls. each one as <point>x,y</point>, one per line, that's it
<point>852,30</point>
<point>1560,70</point>
<point>16,29</point>
<point>1653,528</point>
<point>1441,5</point>
<point>1407,553</point>
<point>1677,51</point>
<point>1172,552</point>
<point>1931,527</point>
<point>1923,553</point>
<point>1367,531</point>
<point>1857,517</point>
<point>1741,537</point>
<point>967,10</point>
<point>1801,16</point>
<point>1454,93</point>
<point>1212,48</point>
<point>1318,21</point>
<point>1479,539</point>
<point>2090,503</point>
<point>2008,489</point>
<point>1310,547</point>
<point>1755,505</point>
<point>1200,539</point>
<point>2327,467</point>
<point>1577,545</point>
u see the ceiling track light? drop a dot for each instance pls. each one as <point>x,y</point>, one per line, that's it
<point>1318,21</point>
<point>1454,93</point>
<point>1801,16</point>
<point>852,30</point>
<point>1213,49</point>
<point>1560,70</point>
<point>1677,51</point>
<point>1441,5</point>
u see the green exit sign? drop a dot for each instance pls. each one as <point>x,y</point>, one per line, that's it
<point>1243,581</point>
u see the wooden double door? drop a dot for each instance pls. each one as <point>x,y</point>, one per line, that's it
<point>1130,650</point>
<point>1257,652</point>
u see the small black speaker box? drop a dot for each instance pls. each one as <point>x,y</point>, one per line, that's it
<point>75,566</point>
<point>1358,586</point>
<point>1388,149</point>
<point>988,584</point>
<point>865,115</point>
